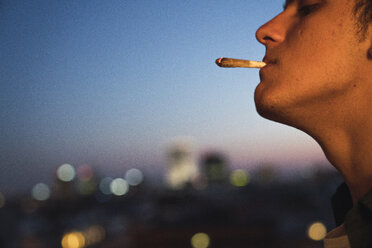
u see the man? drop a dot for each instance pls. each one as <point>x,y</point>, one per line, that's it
<point>318,78</point>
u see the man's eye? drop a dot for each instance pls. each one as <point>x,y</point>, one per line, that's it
<point>308,9</point>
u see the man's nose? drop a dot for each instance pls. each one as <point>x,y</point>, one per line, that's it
<point>272,32</point>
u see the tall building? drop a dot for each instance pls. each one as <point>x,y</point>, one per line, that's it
<point>182,167</point>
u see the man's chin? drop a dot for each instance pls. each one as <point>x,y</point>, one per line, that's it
<point>267,112</point>
<point>280,112</point>
<point>265,105</point>
<point>271,108</point>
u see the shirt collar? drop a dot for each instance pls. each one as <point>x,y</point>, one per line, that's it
<point>341,203</point>
<point>357,218</point>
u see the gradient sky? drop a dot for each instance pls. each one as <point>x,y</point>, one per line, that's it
<point>111,82</point>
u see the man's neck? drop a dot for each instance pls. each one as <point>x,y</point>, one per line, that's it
<point>344,131</point>
<point>349,150</point>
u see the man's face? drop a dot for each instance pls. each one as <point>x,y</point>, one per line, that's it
<point>313,54</point>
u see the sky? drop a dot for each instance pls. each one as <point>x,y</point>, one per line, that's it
<point>112,83</point>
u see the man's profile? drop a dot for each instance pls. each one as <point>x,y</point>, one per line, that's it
<point>318,78</point>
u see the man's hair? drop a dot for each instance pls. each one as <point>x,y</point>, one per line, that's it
<point>363,12</point>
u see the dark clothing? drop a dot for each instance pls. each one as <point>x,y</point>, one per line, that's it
<point>357,219</point>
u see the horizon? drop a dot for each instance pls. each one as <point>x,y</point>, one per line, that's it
<point>112,83</point>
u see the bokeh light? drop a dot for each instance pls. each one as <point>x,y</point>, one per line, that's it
<point>94,234</point>
<point>2,200</point>
<point>317,231</point>
<point>134,177</point>
<point>104,185</point>
<point>239,178</point>
<point>200,240</point>
<point>66,173</point>
<point>73,240</point>
<point>40,192</point>
<point>119,186</point>
<point>85,172</point>
<point>87,187</point>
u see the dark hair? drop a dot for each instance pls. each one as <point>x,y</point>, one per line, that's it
<point>363,11</point>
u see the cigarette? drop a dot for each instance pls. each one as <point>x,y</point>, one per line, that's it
<point>227,62</point>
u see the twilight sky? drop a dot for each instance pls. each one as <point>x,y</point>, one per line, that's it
<point>111,83</point>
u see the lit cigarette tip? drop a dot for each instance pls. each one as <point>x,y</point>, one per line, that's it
<point>227,62</point>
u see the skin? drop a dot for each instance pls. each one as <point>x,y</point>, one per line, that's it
<point>319,80</point>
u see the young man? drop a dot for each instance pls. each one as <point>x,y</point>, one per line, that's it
<point>318,78</point>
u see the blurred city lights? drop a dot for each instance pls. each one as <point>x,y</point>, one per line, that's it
<point>87,187</point>
<point>85,172</point>
<point>77,239</point>
<point>134,177</point>
<point>40,192</point>
<point>200,240</point>
<point>200,182</point>
<point>239,178</point>
<point>104,185</point>
<point>73,240</point>
<point>94,234</point>
<point>317,231</point>
<point>66,173</point>
<point>2,200</point>
<point>119,186</point>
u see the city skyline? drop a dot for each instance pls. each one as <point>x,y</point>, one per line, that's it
<point>113,83</point>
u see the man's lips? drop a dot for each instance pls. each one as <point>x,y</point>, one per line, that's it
<point>269,61</point>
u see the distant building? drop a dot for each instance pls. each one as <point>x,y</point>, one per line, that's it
<point>214,167</point>
<point>266,173</point>
<point>182,168</point>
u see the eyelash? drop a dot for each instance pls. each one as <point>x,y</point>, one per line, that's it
<point>307,9</point>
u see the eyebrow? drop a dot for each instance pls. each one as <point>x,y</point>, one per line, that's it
<point>287,2</point>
